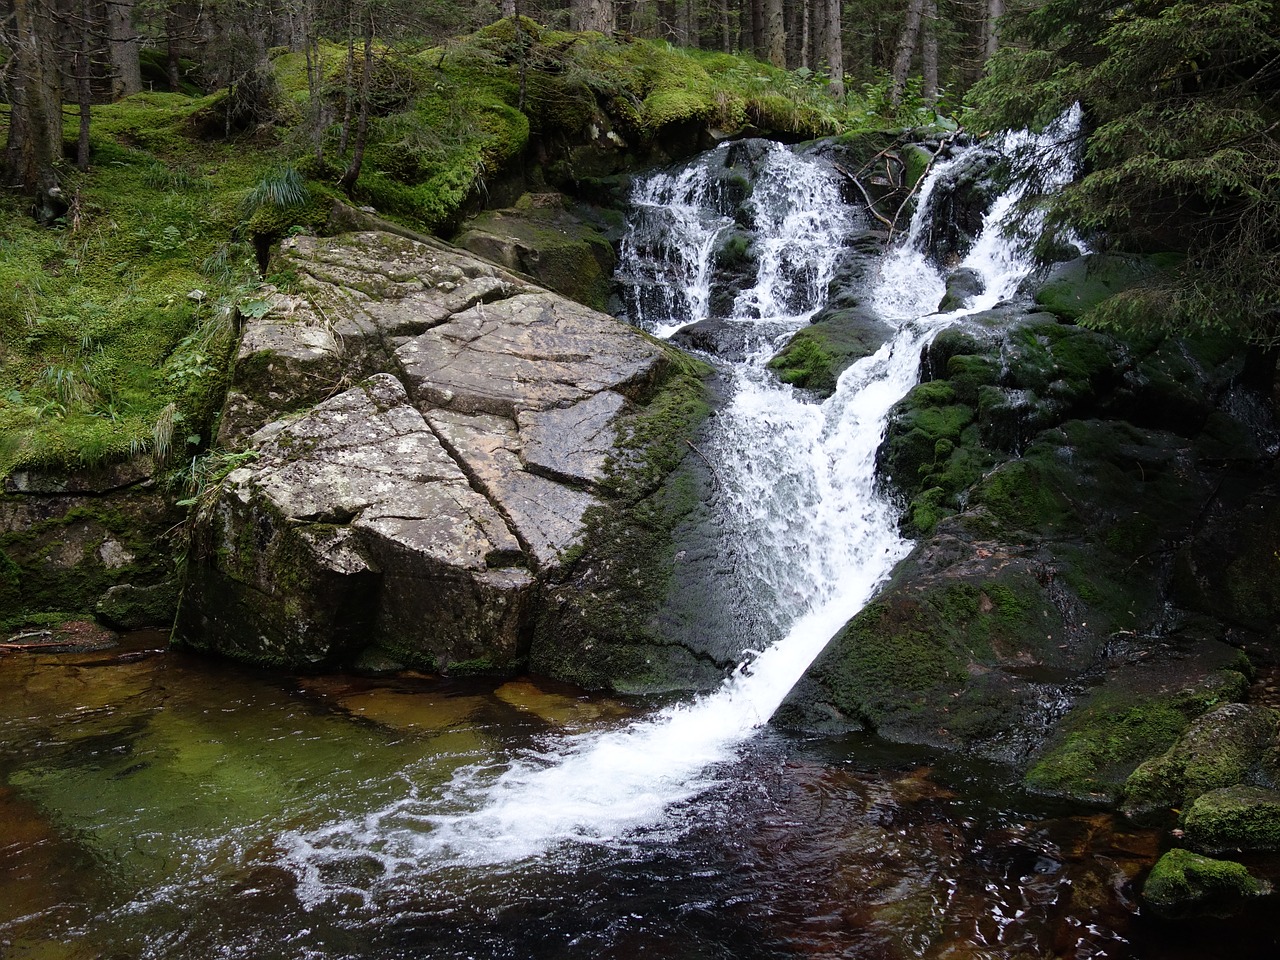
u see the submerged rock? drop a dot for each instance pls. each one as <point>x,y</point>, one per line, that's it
<point>429,512</point>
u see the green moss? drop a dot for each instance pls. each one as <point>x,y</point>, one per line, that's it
<point>1239,817</point>
<point>1183,883</point>
<point>1102,742</point>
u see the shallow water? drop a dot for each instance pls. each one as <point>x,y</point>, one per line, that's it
<point>150,796</point>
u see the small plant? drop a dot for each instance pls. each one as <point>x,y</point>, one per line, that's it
<point>69,385</point>
<point>280,189</point>
<point>162,434</point>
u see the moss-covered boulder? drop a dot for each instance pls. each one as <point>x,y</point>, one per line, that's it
<point>74,542</point>
<point>1225,747</point>
<point>816,355</point>
<point>1184,884</point>
<point>1100,749</point>
<point>1235,818</point>
<point>1075,287</point>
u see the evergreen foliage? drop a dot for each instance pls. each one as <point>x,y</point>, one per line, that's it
<point>1182,101</point>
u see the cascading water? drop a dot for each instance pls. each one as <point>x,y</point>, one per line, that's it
<point>797,488</point>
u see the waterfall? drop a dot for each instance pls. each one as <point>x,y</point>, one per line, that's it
<point>798,494</point>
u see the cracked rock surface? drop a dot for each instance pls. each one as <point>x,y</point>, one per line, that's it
<point>427,439</point>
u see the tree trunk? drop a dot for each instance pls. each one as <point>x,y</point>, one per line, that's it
<point>352,174</point>
<point>757,26</point>
<point>122,46</point>
<point>34,146</point>
<point>906,47</point>
<point>833,48</point>
<point>84,91</point>
<point>775,34</point>
<point>991,27</point>
<point>806,28</point>
<point>929,52</point>
<point>508,9</point>
<point>726,26</point>
<point>592,15</point>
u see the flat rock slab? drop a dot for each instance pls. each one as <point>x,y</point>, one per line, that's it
<point>531,352</point>
<point>572,443</point>
<point>547,516</point>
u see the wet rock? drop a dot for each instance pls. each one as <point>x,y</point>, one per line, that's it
<point>572,444</point>
<point>1185,884</point>
<point>962,286</point>
<point>817,354</point>
<point>1224,747</point>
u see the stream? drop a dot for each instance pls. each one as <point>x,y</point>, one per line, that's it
<point>155,804</point>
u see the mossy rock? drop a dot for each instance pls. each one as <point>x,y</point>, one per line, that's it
<point>940,658</point>
<point>1184,884</point>
<point>601,623</point>
<point>1074,288</point>
<point>1221,749</point>
<point>127,606</point>
<point>1137,715</point>
<point>542,239</point>
<point>1240,817</point>
<point>816,355</point>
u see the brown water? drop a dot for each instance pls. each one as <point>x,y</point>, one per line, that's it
<point>148,800</point>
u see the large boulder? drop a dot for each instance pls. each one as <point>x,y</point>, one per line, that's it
<point>480,444</point>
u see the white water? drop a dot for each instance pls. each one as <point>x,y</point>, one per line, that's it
<point>797,485</point>
<point>911,285</point>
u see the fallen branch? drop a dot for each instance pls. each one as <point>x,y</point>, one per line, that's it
<point>710,466</point>
<point>866,196</point>
<point>946,142</point>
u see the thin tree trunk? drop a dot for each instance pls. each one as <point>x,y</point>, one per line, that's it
<point>348,91</point>
<point>173,60</point>
<point>929,52</point>
<point>757,26</point>
<point>833,44</point>
<point>906,47</point>
<point>348,182</point>
<point>84,93</point>
<point>34,145</point>
<point>726,27</point>
<point>991,27</point>
<point>806,28</point>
